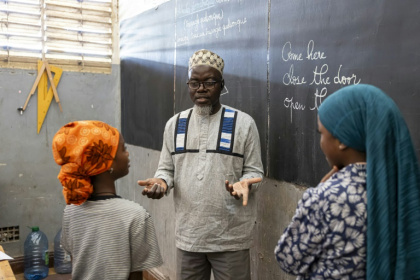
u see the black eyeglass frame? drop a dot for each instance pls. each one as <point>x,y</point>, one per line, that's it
<point>206,85</point>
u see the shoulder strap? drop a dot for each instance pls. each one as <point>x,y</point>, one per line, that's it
<point>227,130</point>
<point>181,130</point>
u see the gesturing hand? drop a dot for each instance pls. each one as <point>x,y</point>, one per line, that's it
<point>241,188</point>
<point>329,174</point>
<point>155,188</point>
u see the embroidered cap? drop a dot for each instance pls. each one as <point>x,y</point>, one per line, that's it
<point>206,57</point>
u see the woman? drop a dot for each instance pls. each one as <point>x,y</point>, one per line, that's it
<point>107,236</point>
<point>364,221</point>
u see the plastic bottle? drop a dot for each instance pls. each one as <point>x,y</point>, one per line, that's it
<point>36,255</point>
<point>62,260</point>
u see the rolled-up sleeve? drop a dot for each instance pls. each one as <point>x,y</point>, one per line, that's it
<point>252,167</point>
<point>166,167</point>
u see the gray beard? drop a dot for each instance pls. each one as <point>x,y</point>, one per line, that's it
<point>203,110</point>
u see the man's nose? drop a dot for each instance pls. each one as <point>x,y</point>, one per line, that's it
<point>201,86</point>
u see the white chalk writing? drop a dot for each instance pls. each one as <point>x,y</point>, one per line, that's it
<point>188,8</point>
<point>207,32</point>
<point>208,23</point>
<point>343,80</point>
<point>232,24</point>
<point>291,79</point>
<point>287,54</point>
<point>194,23</point>
<point>288,103</point>
<point>191,23</point>
<point>215,17</point>
<point>182,40</point>
<point>318,98</point>
<point>322,75</point>
<point>314,55</point>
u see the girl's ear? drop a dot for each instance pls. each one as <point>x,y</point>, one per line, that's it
<point>222,84</point>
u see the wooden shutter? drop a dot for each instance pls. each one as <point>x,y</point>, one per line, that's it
<point>20,32</point>
<point>73,34</point>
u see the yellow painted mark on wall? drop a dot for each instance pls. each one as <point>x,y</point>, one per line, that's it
<point>45,96</point>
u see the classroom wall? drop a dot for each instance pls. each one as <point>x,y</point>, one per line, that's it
<point>30,193</point>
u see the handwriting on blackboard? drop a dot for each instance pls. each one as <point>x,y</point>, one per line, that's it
<point>321,77</point>
<point>207,18</point>
<point>209,24</point>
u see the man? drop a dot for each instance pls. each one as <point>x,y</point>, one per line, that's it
<point>205,150</point>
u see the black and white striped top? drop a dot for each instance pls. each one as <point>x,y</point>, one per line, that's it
<point>108,239</point>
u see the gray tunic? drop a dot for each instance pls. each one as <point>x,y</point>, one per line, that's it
<point>208,218</point>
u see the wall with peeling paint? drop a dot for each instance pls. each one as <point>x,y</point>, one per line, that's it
<point>30,193</point>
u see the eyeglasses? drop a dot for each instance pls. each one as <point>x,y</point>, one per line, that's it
<point>206,85</point>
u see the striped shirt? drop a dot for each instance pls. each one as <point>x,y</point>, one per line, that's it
<point>108,239</point>
<point>199,153</point>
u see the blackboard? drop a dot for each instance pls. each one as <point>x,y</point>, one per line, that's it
<point>282,59</point>
<point>147,76</point>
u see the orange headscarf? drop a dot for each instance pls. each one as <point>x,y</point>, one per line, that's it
<point>83,149</point>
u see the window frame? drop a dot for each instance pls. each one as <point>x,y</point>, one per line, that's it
<point>43,25</point>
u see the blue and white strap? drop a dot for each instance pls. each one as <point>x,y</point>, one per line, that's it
<point>227,130</point>
<point>181,131</point>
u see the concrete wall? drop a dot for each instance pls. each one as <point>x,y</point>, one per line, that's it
<point>30,193</point>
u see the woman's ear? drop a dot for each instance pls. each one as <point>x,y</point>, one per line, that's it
<point>342,146</point>
<point>222,84</point>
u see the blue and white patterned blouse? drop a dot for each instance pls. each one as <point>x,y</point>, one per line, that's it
<point>327,236</point>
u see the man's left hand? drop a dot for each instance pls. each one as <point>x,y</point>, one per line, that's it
<point>241,188</point>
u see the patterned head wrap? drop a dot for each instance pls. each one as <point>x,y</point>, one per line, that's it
<point>83,149</point>
<point>364,118</point>
<point>206,57</point>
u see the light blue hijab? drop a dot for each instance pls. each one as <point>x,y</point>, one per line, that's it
<point>366,119</point>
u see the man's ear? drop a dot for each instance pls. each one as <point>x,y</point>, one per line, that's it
<point>222,84</point>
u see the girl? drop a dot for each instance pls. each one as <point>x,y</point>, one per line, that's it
<point>364,221</point>
<point>107,236</point>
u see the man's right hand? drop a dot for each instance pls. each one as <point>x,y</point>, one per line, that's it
<point>154,188</point>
